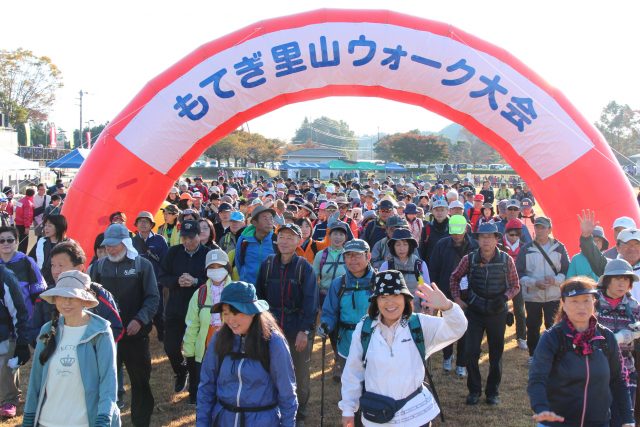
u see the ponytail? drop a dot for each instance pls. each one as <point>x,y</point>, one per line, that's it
<point>50,338</point>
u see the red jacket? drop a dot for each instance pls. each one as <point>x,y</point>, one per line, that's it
<point>24,211</point>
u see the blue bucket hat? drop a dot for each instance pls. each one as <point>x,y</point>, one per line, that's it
<point>242,296</point>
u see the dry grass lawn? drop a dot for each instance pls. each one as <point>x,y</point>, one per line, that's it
<point>173,410</point>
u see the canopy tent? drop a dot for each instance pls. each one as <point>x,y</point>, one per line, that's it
<point>394,167</point>
<point>302,165</point>
<point>354,166</point>
<point>72,160</point>
<point>10,161</point>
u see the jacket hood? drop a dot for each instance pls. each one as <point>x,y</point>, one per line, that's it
<point>97,325</point>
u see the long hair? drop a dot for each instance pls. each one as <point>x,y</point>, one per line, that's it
<point>574,284</point>
<point>374,311</point>
<point>50,338</point>
<point>257,339</point>
<point>59,222</point>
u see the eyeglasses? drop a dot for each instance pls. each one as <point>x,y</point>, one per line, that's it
<point>514,234</point>
<point>3,241</point>
<point>343,207</point>
<point>386,210</point>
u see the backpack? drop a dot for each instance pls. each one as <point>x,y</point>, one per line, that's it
<point>202,298</point>
<point>563,348</point>
<point>427,232</point>
<point>243,250</point>
<point>99,266</point>
<point>323,261</point>
<point>415,328</point>
<point>417,266</point>
<point>297,268</point>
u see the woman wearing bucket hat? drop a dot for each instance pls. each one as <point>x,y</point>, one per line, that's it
<point>379,351</point>
<point>617,310</point>
<point>576,374</point>
<point>247,375</point>
<point>74,362</point>
<point>329,262</point>
<point>201,323</point>
<point>404,258</point>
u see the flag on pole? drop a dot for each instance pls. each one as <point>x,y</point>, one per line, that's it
<point>87,136</point>
<point>53,136</point>
<point>27,132</point>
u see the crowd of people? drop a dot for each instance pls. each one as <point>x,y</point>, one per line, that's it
<point>240,278</point>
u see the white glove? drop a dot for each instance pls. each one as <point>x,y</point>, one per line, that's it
<point>625,336</point>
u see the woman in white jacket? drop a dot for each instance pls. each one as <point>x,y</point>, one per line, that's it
<point>392,351</point>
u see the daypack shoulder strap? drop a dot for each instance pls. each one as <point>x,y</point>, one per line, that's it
<point>546,257</point>
<point>417,267</point>
<point>202,296</point>
<point>323,260</point>
<point>343,287</point>
<point>417,335</point>
<point>365,336</point>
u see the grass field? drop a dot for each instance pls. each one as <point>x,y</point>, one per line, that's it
<point>172,410</point>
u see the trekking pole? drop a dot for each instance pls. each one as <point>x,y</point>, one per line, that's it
<point>324,349</point>
<point>435,393</point>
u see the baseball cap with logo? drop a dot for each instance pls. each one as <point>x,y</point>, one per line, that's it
<point>216,256</point>
<point>629,234</point>
<point>190,229</point>
<point>115,234</point>
<point>356,245</point>
<point>624,222</point>
<point>456,204</point>
<point>291,227</point>
<point>440,203</point>
<point>513,203</point>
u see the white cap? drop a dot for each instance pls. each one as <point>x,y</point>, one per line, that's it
<point>214,189</point>
<point>452,194</point>
<point>232,191</point>
<point>629,234</point>
<point>624,222</point>
<point>456,204</point>
<point>216,256</point>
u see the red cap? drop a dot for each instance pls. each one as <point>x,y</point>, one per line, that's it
<point>478,198</point>
<point>513,224</point>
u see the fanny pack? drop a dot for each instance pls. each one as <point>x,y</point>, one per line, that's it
<point>381,409</point>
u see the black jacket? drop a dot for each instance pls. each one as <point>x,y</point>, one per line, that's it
<point>174,263</point>
<point>557,380</point>
<point>445,258</point>
<point>432,232</point>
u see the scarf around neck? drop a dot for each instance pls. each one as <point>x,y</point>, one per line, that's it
<point>582,341</point>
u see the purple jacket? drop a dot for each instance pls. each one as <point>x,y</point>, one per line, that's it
<point>29,277</point>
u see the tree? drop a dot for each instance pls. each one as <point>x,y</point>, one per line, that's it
<point>413,147</point>
<point>480,152</point>
<point>28,85</point>
<point>620,126</point>
<point>326,132</point>
<point>460,152</point>
<point>225,148</point>
<point>95,133</point>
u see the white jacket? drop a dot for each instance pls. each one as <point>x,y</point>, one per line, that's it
<point>400,374</point>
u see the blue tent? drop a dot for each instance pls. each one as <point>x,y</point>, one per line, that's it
<point>394,167</point>
<point>72,160</point>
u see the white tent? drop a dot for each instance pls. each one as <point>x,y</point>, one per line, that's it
<point>12,162</point>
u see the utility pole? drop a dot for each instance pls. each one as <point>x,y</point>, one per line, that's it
<point>80,129</point>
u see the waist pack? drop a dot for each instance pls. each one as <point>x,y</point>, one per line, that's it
<point>381,409</point>
<point>487,305</point>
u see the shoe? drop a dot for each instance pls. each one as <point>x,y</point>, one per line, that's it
<point>182,382</point>
<point>461,372</point>
<point>473,399</point>
<point>8,410</point>
<point>522,344</point>
<point>493,400</point>
<point>120,404</point>
<point>446,364</point>
<point>530,362</point>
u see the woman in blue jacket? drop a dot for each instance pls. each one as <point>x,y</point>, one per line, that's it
<point>73,377</point>
<point>247,376</point>
<point>576,373</point>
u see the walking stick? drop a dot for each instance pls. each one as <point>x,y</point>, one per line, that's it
<point>324,349</point>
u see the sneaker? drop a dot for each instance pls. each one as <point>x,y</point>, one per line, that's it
<point>522,344</point>
<point>493,400</point>
<point>446,364</point>
<point>530,362</point>
<point>473,399</point>
<point>8,410</point>
<point>182,382</point>
<point>461,372</point>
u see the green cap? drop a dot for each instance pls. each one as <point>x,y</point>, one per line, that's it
<point>457,224</point>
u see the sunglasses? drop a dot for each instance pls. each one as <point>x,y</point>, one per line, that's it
<point>3,241</point>
<point>386,210</point>
<point>514,234</point>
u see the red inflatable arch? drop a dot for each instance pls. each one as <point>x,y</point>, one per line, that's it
<point>373,53</point>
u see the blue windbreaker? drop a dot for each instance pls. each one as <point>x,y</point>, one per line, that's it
<point>244,383</point>
<point>353,305</point>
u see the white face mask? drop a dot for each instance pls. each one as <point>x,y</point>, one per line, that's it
<point>217,274</point>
